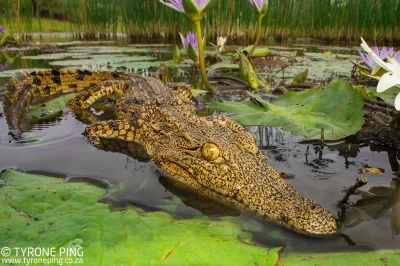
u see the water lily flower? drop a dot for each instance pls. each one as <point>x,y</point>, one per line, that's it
<point>2,29</point>
<point>221,43</point>
<point>389,79</point>
<point>5,65</point>
<point>260,7</point>
<point>194,9</point>
<point>191,45</point>
<point>383,54</point>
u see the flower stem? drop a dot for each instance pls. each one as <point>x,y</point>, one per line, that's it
<point>201,56</point>
<point>258,34</point>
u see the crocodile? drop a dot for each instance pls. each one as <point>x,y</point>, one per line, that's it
<point>213,156</point>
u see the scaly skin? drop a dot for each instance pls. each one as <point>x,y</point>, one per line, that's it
<point>213,156</point>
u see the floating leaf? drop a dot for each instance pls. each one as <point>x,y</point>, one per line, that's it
<point>337,109</point>
<point>361,90</point>
<point>197,92</point>
<point>388,95</point>
<point>224,65</point>
<point>53,56</point>
<point>273,256</point>
<point>321,68</point>
<point>261,51</point>
<point>327,53</point>
<point>102,61</point>
<point>39,211</point>
<point>300,78</point>
<point>372,170</point>
<point>380,257</point>
<point>49,110</point>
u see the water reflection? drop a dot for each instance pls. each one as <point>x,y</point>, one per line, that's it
<point>373,204</point>
<point>6,59</point>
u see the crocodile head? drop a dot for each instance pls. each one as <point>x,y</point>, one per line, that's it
<point>219,158</point>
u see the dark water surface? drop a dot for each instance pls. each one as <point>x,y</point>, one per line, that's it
<point>322,175</point>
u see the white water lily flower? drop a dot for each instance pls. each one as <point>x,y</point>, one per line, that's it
<point>389,79</point>
<point>221,43</point>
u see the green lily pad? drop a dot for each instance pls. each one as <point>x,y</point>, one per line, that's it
<point>198,91</point>
<point>108,49</point>
<point>39,211</point>
<point>260,51</point>
<point>300,78</point>
<point>224,65</point>
<point>322,68</point>
<point>102,61</point>
<point>388,95</point>
<point>55,56</point>
<point>337,109</point>
<point>47,111</point>
<point>12,72</point>
<point>380,257</point>
<point>143,64</point>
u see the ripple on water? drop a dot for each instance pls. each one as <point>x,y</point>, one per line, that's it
<point>42,134</point>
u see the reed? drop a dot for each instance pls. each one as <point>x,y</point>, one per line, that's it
<point>329,20</point>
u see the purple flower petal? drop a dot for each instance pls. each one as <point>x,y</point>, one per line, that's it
<point>175,4</point>
<point>397,56</point>
<point>259,3</point>
<point>376,50</point>
<point>367,59</point>
<point>5,65</point>
<point>383,54</point>
<point>201,4</point>
<point>2,29</point>
<point>192,39</point>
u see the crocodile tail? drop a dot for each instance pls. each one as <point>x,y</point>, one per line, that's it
<point>26,88</point>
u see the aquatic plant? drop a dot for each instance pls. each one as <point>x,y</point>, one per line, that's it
<point>5,36</point>
<point>5,65</point>
<point>389,79</point>
<point>195,10</point>
<point>221,43</point>
<point>191,46</point>
<point>383,54</point>
<point>260,9</point>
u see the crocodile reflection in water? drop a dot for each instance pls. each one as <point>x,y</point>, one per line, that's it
<point>214,156</point>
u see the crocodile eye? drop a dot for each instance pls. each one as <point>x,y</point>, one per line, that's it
<point>209,151</point>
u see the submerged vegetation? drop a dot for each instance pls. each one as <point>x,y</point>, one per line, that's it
<point>335,20</point>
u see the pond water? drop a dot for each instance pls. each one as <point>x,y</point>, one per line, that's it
<point>319,173</point>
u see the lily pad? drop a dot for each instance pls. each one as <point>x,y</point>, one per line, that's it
<point>388,95</point>
<point>47,111</point>
<point>109,49</point>
<point>321,67</point>
<point>337,109</point>
<point>39,211</point>
<point>13,72</point>
<point>381,257</point>
<point>260,51</point>
<point>102,61</point>
<point>52,56</point>
<point>224,65</point>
